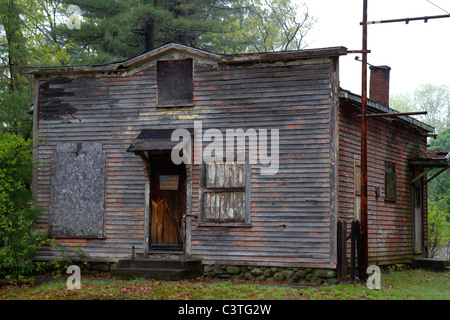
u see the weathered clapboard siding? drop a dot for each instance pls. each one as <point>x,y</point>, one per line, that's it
<point>104,105</point>
<point>285,219</point>
<point>290,211</point>
<point>389,223</point>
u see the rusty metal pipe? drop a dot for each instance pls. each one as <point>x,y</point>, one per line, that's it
<point>394,114</point>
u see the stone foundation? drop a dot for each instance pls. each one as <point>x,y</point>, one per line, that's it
<point>96,268</point>
<point>252,273</point>
<point>91,268</point>
<point>271,274</point>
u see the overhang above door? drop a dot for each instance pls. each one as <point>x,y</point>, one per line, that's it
<point>154,139</point>
<point>428,160</point>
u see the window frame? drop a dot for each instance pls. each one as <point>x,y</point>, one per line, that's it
<point>165,70</point>
<point>390,181</point>
<point>204,190</point>
<point>68,172</point>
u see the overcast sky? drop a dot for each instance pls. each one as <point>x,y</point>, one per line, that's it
<point>417,52</point>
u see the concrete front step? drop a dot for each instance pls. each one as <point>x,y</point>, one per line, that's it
<point>431,264</point>
<point>161,269</point>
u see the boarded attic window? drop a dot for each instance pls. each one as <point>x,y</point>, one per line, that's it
<point>391,181</point>
<point>175,84</point>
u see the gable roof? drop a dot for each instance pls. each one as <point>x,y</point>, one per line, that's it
<point>178,50</point>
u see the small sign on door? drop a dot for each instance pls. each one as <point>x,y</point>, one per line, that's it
<point>168,182</point>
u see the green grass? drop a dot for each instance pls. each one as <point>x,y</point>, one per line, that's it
<point>404,285</point>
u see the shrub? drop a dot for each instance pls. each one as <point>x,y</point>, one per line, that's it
<point>439,227</point>
<point>18,239</point>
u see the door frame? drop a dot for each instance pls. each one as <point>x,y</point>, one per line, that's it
<point>174,222</point>
<point>418,183</point>
<point>417,192</point>
<point>420,166</point>
<point>145,156</point>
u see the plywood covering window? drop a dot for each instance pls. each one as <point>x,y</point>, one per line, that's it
<point>390,181</point>
<point>175,84</point>
<point>225,194</point>
<point>77,193</point>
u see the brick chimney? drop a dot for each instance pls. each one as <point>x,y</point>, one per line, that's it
<point>379,84</point>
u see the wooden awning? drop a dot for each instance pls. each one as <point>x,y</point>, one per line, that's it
<point>435,158</point>
<point>154,139</point>
<point>428,160</point>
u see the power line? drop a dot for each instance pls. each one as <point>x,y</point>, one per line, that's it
<point>437,6</point>
<point>364,115</point>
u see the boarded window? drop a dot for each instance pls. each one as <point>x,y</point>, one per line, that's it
<point>391,181</point>
<point>225,195</point>
<point>175,85</point>
<point>77,194</point>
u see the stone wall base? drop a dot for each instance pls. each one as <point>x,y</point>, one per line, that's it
<point>272,274</point>
<point>252,273</point>
<point>91,268</point>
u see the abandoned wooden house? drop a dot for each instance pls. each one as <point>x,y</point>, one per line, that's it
<point>108,183</point>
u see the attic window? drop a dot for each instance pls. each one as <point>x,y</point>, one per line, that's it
<point>175,84</point>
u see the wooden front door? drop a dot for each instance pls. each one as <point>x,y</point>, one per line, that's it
<point>168,203</point>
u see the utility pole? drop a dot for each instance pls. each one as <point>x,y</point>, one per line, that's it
<point>364,116</point>
<point>363,222</point>
<point>364,229</point>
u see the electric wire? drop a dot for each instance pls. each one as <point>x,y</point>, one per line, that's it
<point>437,6</point>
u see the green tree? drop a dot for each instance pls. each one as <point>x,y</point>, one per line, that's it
<point>439,225</point>
<point>439,185</point>
<point>18,238</point>
<point>435,99</point>
<point>18,45</point>
<point>263,26</point>
<point>28,37</point>
<point>126,28</point>
<point>45,47</point>
<point>275,26</point>
<point>116,30</point>
<point>15,89</point>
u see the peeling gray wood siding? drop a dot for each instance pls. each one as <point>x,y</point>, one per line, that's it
<point>292,212</point>
<point>291,220</point>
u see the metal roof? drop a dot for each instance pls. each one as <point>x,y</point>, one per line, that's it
<point>376,107</point>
